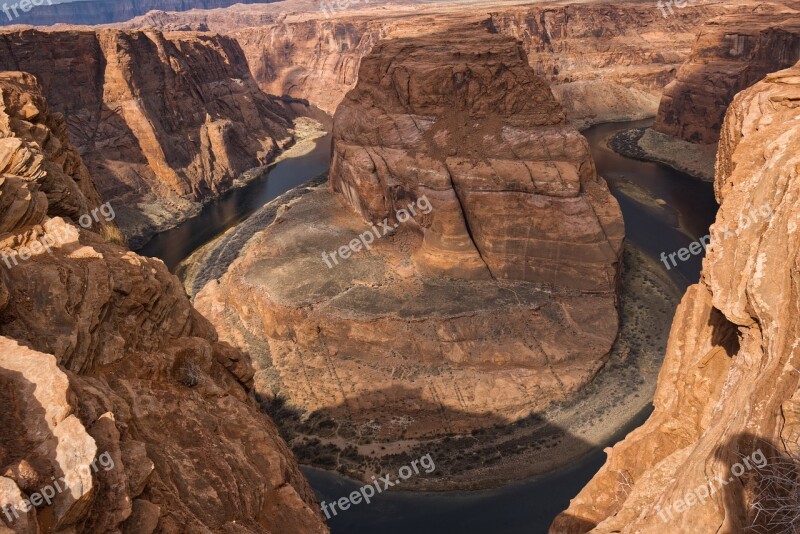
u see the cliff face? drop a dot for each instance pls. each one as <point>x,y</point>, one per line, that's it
<point>103,11</point>
<point>486,291</point>
<point>729,385</point>
<point>604,62</point>
<point>119,404</point>
<point>163,121</point>
<point>732,52</point>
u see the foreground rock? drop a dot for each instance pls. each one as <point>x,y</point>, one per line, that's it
<point>112,386</point>
<point>728,387</point>
<point>732,52</point>
<point>495,299</point>
<point>164,122</point>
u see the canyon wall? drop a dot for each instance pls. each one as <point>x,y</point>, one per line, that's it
<point>119,403</point>
<point>732,52</point>
<point>46,13</point>
<point>489,293</point>
<point>728,389</point>
<point>603,61</point>
<point>164,122</point>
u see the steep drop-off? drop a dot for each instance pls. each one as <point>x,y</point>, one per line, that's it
<point>731,53</point>
<point>103,357</point>
<point>729,384</point>
<point>494,300</point>
<point>164,122</point>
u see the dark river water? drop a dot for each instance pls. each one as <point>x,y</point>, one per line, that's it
<point>527,506</point>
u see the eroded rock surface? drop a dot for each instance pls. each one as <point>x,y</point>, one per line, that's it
<point>101,353</point>
<point>731,53</point>
<point>490,303</point>
<point>164,122</point>
<point>604,62</point>
<point>729,384</point>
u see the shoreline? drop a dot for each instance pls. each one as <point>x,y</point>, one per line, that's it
<point>617,397</point>
<point>645,144</point>
<point>545,442</point>
<point>303,133</point>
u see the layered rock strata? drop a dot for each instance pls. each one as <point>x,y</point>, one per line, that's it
<point>731,53</point>
<point>729,385</point>
<point>494,299</point>
<point>164,122</point>
<point>604,62</point>
<point>119,403</point>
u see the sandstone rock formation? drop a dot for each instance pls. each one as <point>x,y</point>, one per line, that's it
<point>164,122</point>
<point>732,52</point>
<point>103,357</point>
<point>604,62</point>
<point>497,298</point>
<point>729,384</point>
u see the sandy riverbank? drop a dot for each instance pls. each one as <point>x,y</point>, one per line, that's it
<point>646,144</point>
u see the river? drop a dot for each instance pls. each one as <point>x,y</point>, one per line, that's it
<point>684,213</point>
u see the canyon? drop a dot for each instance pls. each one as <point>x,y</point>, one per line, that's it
<point>455,284</point>
<point>604,61</point>
<point>101,354</point>
<point>729,384</point>
<point>496,299</point>
<point>163,122</point>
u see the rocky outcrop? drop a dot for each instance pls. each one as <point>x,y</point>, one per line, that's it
<point>728,390</point>
<point>732,52</point>
<point>604,62</point>
<point>475,131</point>
<point>47,13</point>
<point>490,290</point>
<point>121,409</point>
<point>164,122</point>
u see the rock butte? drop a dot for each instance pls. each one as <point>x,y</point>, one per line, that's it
<point>498,302</point>
<point>101,352</point>
<point>729,383</point>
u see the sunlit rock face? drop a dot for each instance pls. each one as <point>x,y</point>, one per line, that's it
<point>111,384</point>
<point>471,128</point>
<point>163,121</point>
<point>488,289</point>
<point>729,385</point>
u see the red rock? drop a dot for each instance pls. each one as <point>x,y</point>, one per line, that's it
<point>728,387</point>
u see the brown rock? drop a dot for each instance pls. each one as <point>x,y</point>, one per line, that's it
<point>732,52</point>
<point>95,346</point>
<point>163,121</point>
<point>603,61</point>
<point>729,382</point>
<point>463,316</point>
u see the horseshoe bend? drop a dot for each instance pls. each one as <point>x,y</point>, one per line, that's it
<point>415,267</point>
<point>498,301</point>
